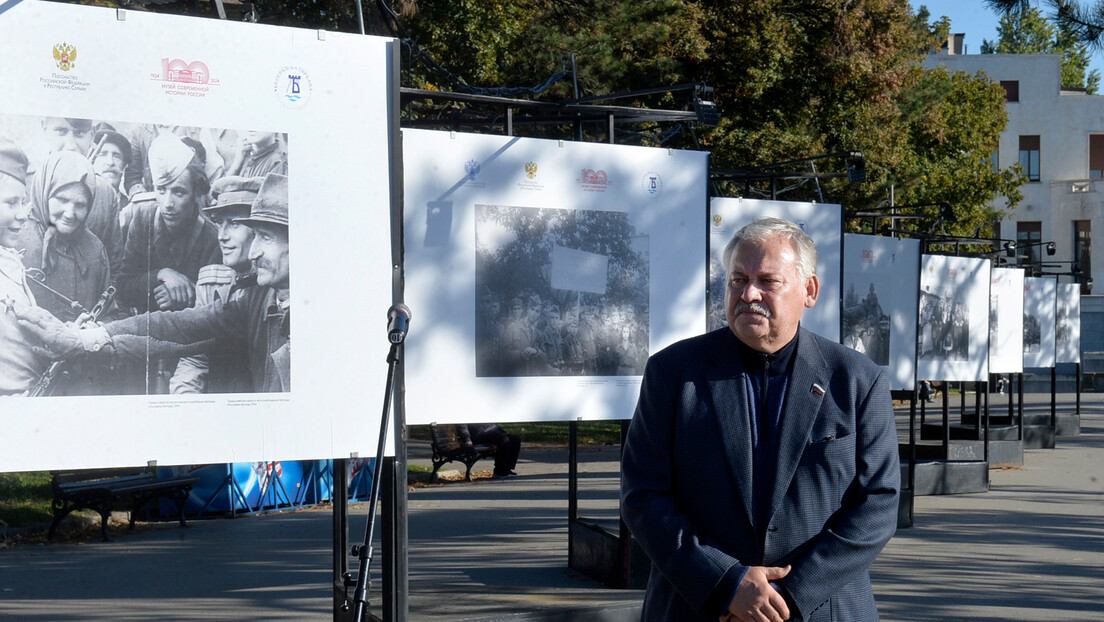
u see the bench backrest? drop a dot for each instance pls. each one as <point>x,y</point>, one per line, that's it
<point>91,475</point>
<point>445,437</point>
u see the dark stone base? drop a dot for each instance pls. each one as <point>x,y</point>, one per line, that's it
<point>594,552</point>
<point>944,477</point>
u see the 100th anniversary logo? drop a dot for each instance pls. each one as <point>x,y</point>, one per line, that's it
<point>65,59</point>
<point>180,77</point>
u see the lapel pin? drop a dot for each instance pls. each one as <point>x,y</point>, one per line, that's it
<point>819,390</point>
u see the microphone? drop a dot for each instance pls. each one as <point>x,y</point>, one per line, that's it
<point>398,321</point>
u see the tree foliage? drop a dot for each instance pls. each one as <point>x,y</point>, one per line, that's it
<point>1025,30</point>
<point>792,80</point>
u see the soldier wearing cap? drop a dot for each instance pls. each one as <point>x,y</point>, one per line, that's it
<point>111,160</point>
<point>19,365</point>
<point>166,248</point>
<point>260,314</point>
<point>224,368</point>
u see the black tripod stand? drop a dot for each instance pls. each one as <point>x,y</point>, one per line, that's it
<point>398,321</point>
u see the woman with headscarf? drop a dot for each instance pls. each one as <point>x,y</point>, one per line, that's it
<point>67,264</point>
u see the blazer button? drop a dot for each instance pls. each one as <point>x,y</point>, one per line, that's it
<point>772,528</point>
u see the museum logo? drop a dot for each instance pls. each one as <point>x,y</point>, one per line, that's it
<point>651,183</point>
<point>593,180</point>
<point>867,256</point>
<point>293,87</point>
<point>65,58</point>
<point>180,77</point>
<point>530,181</point>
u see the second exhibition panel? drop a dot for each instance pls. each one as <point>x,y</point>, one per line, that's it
<point>1040,307</point>
<point>953,334</point>
<point>1006,299</point>
<point>881,281</point>
<point>821,221</point>
<point>541,274</point>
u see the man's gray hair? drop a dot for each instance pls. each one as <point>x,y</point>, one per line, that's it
<point>762,229</point>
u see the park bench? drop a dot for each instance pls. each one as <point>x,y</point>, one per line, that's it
<point>103,490</point>
<point>448,446</point>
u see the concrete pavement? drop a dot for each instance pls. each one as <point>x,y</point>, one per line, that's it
<point>1030,549</point>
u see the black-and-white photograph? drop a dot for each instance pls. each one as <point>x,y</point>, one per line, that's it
<point>559,292</point>
<point>944,328</point>
<point>146,259</point>
<point>866,325</point>
<point>1032,334</point>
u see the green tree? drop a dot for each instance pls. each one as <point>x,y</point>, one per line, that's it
<point>1025,30</point>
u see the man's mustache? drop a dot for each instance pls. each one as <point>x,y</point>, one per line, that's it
<point>752,307</point>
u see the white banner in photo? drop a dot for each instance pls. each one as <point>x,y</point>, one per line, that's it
<point>1006,299</point>
<point>823,222</point>
<point>953,334</point>
<point>543,273</point>
<point>881,280</point>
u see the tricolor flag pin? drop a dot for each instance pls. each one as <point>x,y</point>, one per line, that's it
<point>819,390</point>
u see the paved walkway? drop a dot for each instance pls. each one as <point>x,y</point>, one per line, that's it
<point>1030,549</point>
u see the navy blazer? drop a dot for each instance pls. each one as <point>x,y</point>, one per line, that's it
<point>686,488</point>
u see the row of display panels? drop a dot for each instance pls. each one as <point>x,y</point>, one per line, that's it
<point>541,273</point>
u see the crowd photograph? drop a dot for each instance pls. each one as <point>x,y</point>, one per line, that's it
<point>538,317</point>
<point>142,259</point>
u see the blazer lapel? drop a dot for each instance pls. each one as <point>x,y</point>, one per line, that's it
<point>729,399</point>
<point>804,395</point>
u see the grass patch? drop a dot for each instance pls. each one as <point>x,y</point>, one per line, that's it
<point>552,433</point>
<point>25,498</point>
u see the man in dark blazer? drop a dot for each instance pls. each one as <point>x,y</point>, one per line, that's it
<point>760,472</point>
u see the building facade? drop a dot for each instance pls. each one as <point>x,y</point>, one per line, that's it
<point>1057,136</point>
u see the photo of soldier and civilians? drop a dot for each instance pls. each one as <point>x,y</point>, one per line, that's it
<point>944,333</point>
<point>140,259</point>
<point>866,325</point>
<point>559,293</point>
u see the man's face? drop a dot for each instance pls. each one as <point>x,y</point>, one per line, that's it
<point>766,293</point>
<point>13,210</point>
<point>60,136</point>
<point>177,204</point>
<point>110,163</point>
<point>234,242</point>
<point>259,140</point>
<point>269,253</point>
<point>69,208</point>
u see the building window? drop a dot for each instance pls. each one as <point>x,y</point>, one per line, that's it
<point>1029,156</point>
<point>1029,235</point>
<point>1096,156</point>
<point>994,159</point>
<point>1082,251</point>
<point>1011,90</point>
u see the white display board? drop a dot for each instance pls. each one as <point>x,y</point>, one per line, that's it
<point>953,333</point>
<point>881,281</point>
<point>333,98</point>
<point>1006,298</point>
<point>1067,325</point>
<point>821,221</point>
<point>541,273</point>
<point>1040,307</point>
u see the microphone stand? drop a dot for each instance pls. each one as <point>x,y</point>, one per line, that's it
<point>364,552</point>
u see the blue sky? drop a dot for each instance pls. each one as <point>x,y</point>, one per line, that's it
<point>979,22</point>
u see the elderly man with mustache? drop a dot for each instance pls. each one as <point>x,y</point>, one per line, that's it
<point>260,315</point>
<point>760,472</point>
